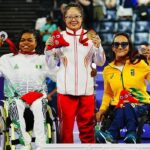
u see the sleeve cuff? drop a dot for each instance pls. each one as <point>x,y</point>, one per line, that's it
<point>100,49</point>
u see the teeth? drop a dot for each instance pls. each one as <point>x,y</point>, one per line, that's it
<point>26,47</point>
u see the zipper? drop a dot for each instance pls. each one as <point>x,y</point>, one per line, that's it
<point>122,78</point>
<point>121,75</point>
<point>76,65</point>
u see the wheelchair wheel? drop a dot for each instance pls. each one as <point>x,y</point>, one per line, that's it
<point>52,120</point>
<point>8,147</point>
<point>4,143</point>
<point>4,131</point>
<point>2,139</point>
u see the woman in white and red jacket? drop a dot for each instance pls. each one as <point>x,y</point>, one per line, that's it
<point>75,86</point>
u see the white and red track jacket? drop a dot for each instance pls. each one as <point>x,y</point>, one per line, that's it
<point>74,74</point>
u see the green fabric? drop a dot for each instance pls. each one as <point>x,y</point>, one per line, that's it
<point>98,13</point>
<point>9,90</point>
<point>50,28</point>
<point>17,127</point>
<point>137,94</point>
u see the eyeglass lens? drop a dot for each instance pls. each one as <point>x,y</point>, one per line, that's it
<point>123,44</point>
<point>73,17</point>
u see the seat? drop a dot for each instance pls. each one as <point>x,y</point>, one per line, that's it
<point>106,38</point>
<point>124,26</point>
<point>142,26</point>
<point>144,119</point>
<point>107,26</point>
<point>111,14</point>
<point>108,117</point>
<point>141,38</point>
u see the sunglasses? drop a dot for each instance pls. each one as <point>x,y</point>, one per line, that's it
<point>123,44</point>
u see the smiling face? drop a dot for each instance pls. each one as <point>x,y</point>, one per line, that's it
<point>73,18</point>
<point>27,42</point>
<point>120,46</point>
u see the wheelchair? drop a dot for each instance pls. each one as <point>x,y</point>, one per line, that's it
<point>8,138</point>
<point>144,119</point>
<point>108,118</point>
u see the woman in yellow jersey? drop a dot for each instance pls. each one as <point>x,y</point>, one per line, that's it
<point>124,88</point>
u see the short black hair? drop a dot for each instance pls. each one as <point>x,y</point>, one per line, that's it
<point>39,49</point>
<point>48,17</point>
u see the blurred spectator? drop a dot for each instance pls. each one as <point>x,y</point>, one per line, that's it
<point>47,6</point>
<point>87,6</point>
<point>110,4</point>
<point>47,28</point>
<point>61,24</point>
<point>125,8</point>
<point>99,10</point>
<point>39,23</point>
<point>60,2</point>
<point>145,2</point>
<point>145,50</point>
<point>143,9</point>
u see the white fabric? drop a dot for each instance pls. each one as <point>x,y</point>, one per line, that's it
<point>40,22</point>
<point>26,147</point>
<point>25,72</point>
<point>119,67</point>
<point>121,11</point>
<point>75,78</point>
<point>38,128</point>
<point>21,107</point>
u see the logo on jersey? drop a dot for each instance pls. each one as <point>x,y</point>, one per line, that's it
<point>132,72</point>
<point>38,66</point>
<point>16,67</point>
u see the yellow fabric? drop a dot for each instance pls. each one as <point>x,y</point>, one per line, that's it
<point>132,76</point>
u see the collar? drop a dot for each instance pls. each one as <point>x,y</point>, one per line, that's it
<point>27,53</point>
<point>74,33</point>
<point>81,32</point>
<point>112,64</point>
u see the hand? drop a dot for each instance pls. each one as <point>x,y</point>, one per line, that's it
<point>49,42</point>
<point>3,37</point>
<point>64,60</point>
<point>100,115</point>
<point>96,41</point>
<point>49,97</point>
<point>147,54</point>
<point>145,50</point>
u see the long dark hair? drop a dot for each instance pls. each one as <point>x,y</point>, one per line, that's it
<point>36,34</point>
<point>133,54</point>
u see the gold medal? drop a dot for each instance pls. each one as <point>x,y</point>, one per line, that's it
<point>91,34</point>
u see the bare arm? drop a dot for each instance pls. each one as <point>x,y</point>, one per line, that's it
<point>49,96</point>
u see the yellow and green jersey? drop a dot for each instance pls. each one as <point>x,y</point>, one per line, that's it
<point>133,78</point>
